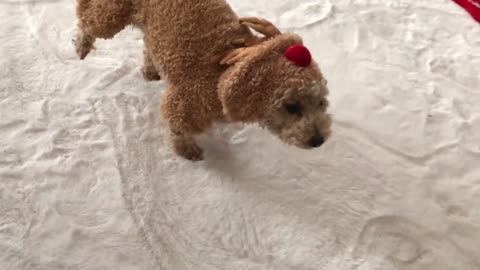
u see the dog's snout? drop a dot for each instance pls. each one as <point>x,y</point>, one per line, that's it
<point>316,141</point>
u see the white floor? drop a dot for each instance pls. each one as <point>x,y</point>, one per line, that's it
<point>88,182</point>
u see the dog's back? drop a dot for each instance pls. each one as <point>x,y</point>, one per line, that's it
<point>180,35</point>
<point>183,39</point>
<point>184,36</point>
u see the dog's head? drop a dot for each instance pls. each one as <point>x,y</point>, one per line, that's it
<point>276,84</point>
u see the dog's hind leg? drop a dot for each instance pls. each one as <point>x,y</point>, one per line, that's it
<point>100,19</point>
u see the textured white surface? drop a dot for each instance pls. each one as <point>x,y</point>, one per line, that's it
<point>87,181</point>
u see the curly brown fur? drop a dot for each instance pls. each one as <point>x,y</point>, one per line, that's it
<point>185,42</point>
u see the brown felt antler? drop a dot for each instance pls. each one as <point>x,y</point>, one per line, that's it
<point>236,55</point>
<point>261,25</point>
<point>247,46</point>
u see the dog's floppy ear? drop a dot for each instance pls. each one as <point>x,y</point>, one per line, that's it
<point>239,87</point>
<point>248,88</point>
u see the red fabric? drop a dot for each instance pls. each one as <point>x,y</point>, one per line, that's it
<point>472,7</point>
<point>299,55</point>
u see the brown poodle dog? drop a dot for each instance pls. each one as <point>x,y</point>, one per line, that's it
<point>217,69</point>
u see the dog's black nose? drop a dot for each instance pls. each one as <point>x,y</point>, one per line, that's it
<point>316,141</point>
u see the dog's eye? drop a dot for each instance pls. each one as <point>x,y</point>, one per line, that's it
<point>294,108</point>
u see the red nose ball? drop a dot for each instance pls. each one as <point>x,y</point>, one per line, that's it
<point>299,55</point>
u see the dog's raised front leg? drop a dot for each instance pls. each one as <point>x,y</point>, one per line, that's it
<point>100,19</point>
<point>83,43</point>
<point>185,146</point>
<point>149,71</point>
<point>186,118</point>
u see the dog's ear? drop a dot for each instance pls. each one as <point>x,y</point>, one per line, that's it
<point>249,87</point>
<point>245,90</point>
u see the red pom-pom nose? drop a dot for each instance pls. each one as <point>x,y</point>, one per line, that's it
<point>299,55</point>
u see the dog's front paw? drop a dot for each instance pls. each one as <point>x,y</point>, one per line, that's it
<point>150,75</point>
<point>83,44</point>
<point>190,151</point>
